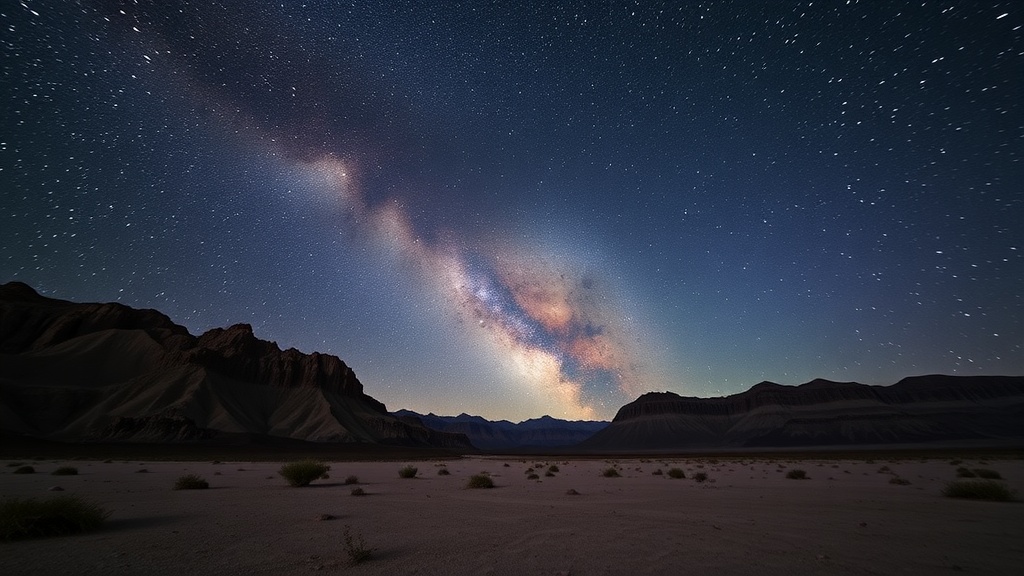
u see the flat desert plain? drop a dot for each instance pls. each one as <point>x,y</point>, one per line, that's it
<point>747,518</point>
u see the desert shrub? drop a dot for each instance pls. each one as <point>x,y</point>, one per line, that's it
<point>32,518</point>
<point>700,477</point>
<point>529,471</point>
<point>533,477</point>
<point>355,546</point>
<point>303,472</point>
<point>796,474</point>
<point>978,490</point>
<point>65,471</point>
<point>899,481</point>
<point>358,492</point>
<point>657,472</point>
<point>610,473</point>
<point>987,474</point>
<point>480,481</point>
<point>884,469</point>
<point>676,473</point>
<point>553,468</point>
<point>351,480</point>
<point>408,472</point>
<point>443,472</point>
<point>965,473</point>
<point>191,482</point>
<point>25,470</point>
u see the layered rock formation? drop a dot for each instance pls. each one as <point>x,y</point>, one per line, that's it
<point>543,432</point>
<point>823,413</point>
<point>109,372</point>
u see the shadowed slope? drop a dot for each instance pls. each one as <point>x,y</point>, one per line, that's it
<point>109,372</point>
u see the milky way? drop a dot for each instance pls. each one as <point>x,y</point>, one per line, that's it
<point>528,208</point>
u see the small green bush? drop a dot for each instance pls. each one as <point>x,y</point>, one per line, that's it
<point>987,474</point>
<point>657,472</point>
<point>351,480</point>
<point>899,481</point>
<point>408,472</point>
<point>443,472</point>
<point>356,548</point>
<point>553,468</point>
<point>532,477</point>
<point>610,473</point>
<point>358,492</point>
<point>700,477</point>
<point>978,490</point>
<point>31,518</point>
<point>191,482</point>
<point>796,474</point>
<point>675,473</point>
<point>480,481</point>
<point>303,472</point>
<point>25,470</point>
<point>884,469</point>
<point>65,471</point>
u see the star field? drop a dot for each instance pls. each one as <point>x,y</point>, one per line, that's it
<point>517,209</point>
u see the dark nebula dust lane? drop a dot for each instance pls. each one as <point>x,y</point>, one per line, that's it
<point>525,209</point>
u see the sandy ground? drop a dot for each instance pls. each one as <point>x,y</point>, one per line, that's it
<point>747,519</point>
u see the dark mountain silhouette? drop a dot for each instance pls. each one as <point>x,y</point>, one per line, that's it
<point>823,413</point>
<point>543,432</point>
<point>107,372</point>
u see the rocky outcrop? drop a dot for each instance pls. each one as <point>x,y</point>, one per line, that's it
<point>820,413</point>
<point>543,432</point>
<point>73,371</point>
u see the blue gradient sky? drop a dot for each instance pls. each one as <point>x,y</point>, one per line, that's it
<point>521,209</point>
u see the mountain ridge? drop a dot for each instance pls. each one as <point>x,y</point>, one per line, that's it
<point>109,372</point>
<point>821,412</point>
<point>542,432</point>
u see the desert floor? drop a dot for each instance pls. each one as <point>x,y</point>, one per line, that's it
<point>748,518</point>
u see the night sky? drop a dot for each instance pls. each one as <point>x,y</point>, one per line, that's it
<point>523,208</point>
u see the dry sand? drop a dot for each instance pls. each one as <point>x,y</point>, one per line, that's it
<point>748,519</point>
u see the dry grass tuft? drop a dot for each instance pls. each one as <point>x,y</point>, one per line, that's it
<point>191,482</point>
<point>32,518</point>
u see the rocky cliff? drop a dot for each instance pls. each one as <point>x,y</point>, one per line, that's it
<point>109,372</point>
<point>820,413</point>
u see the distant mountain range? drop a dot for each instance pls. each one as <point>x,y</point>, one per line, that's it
<point>543,432</point>
<point>822,413</point>
<point>109,373</point>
